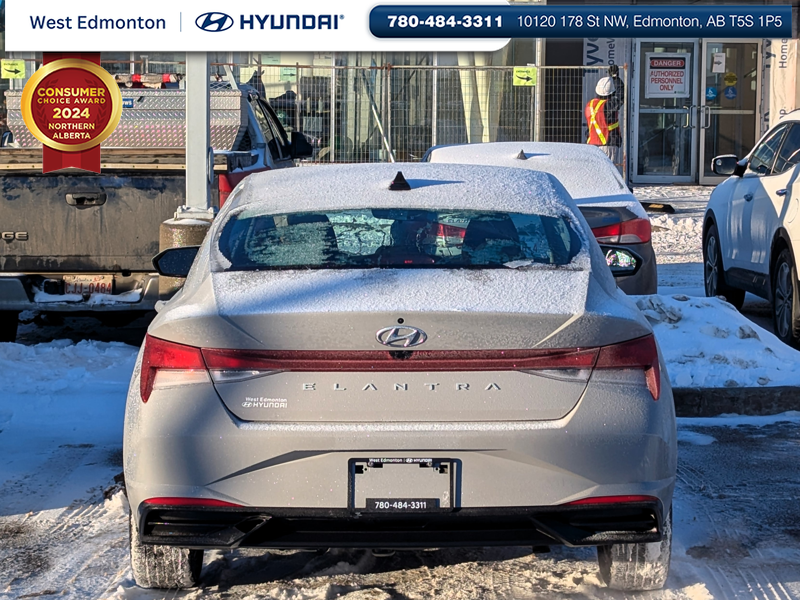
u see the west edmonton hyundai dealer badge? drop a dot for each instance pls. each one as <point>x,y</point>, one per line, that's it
<point>71,105</point>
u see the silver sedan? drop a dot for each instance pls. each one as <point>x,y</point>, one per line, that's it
<point>399,356</point>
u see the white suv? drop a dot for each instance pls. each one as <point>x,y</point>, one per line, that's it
<point>751,233</point>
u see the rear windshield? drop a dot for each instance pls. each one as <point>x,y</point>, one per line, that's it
<point>394,238</point>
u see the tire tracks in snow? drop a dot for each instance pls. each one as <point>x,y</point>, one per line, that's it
<point>58,535</point>
<point>729,501</point>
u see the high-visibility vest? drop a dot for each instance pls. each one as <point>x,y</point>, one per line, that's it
<point>598,128</point>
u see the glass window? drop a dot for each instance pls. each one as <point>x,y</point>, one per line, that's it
<point>764,155</point>
<point>277,129</point>
<point>789,155</point>
<point>394,238</point>
<point>273,133</point>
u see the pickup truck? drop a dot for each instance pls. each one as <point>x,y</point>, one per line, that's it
<point>82,243</point>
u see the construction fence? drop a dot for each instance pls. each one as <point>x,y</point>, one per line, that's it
<point>390,113</point>
<point>395,113</point>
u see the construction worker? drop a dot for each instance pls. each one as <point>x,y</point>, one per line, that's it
<point>602,116</point>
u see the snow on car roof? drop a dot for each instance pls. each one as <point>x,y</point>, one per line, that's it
<point>587,174</point>
<point>584,170</point>
<point>465,187</point>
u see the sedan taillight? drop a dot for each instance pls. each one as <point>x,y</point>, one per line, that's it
<point>640,353</point>
<point>167,364</point>
<point>635,231</point>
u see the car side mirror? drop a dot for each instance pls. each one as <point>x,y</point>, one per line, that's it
<point>725,164</point>
<point>621,261</point>
<point>175,262</point>
<point>300,146</point>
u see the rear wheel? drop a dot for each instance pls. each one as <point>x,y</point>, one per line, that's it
<point>714,272</point>
<point>9,319</point>
<point>786,300</point>
<point>165,567</point>
<point>637,567</point>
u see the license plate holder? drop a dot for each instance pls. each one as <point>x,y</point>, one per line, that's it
<point>88,284</point>
<point>407,485</point>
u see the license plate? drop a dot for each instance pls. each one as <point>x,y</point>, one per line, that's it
<point>407,505</point>
<point>403,484</point>
<point>88,284</point>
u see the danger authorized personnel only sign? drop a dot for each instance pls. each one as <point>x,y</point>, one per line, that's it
<point>667,75</point>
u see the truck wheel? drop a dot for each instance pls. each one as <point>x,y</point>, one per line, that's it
<point>9,319</point>
<point>637,567</point>
<point>714,271</point>
<point>785,300</point>
<point>165,567</point>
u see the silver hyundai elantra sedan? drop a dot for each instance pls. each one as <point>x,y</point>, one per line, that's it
<point>399,356</point>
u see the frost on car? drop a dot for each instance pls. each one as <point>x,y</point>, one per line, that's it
<point>445,364</point>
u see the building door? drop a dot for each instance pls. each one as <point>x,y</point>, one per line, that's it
<point>729,101</point>
<point>664,111</point>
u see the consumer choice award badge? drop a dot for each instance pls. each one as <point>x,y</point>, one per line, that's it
<point>71,104</point>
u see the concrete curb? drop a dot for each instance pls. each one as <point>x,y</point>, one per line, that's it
<point>710,402</point>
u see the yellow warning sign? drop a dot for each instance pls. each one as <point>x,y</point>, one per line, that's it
<point>525,76</point>
<point>730,79</point>
<point>12,69</point>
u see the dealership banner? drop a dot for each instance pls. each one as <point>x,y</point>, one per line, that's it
<point>667,75</point>
<point>361,25</point>
<point>782,79</point>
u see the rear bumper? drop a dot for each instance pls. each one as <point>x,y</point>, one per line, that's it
<point>199,527</point>
<point>20,292</point>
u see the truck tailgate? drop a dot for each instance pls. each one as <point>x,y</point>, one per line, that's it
<point>85,222</point>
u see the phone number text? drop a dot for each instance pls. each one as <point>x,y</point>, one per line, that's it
<point>576,21</point>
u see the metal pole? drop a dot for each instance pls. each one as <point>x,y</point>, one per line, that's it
<point>333,109</point>
<point>539,88</point>
<point>435,100</point>
<point>389,110</point>
<point>297,77</point>
<point>625,137</point>
<point>199,155</point>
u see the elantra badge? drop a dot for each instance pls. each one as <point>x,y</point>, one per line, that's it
<point>401,336</point>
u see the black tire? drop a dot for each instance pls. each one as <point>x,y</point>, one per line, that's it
<point>714,271</point>
<point>637,567</point>
<point>9,320</point>
<point>785,299</point>
<point>164,567</point>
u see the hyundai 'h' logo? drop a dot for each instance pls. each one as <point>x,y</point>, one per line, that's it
<point>401,337</point>
<point>214,21</point>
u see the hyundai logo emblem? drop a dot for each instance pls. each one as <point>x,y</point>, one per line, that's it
<point>401,337</point>
<point>214,22</point>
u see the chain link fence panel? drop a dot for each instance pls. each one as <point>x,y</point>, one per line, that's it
<point>395,113</point>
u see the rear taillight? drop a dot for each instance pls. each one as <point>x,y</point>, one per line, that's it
<point>167,364</point>
<point>253,361</point>
<point>635,231</point>
<point>171,501</point>
<point>640,353</point>
<point>450,231</point>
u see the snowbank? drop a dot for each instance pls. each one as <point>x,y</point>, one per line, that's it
<point>63,389</point>
<point>677,239</point>
<point>706,342</point>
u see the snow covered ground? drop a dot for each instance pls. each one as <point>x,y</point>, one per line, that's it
<point>706,342</point>
<point>63,520</point>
